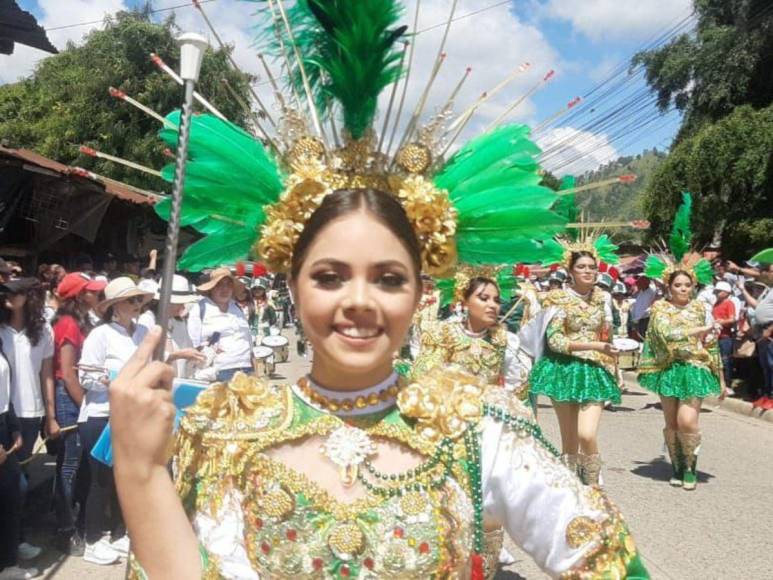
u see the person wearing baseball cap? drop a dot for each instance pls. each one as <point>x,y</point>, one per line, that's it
<point>77,294</point>
<point>725,317</point>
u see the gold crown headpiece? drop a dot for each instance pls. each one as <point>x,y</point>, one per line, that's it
<point>316,172</point>
<point>340,55</point>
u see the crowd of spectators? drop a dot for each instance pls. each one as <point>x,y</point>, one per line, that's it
<point>65,335</point>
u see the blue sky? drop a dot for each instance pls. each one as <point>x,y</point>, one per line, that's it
<point>584,41</point>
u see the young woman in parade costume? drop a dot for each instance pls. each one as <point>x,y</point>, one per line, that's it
<point>681,360</point>
<point>351,473</point>
<point>578,369</point>
<point>479,343</point>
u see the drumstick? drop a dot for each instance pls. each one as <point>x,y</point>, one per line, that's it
<point>42,442</point>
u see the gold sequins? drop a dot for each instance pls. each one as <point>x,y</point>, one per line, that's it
<point>346,540</point>
<point>580,531</point>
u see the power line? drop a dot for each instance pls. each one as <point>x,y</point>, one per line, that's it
<point>153,11</point>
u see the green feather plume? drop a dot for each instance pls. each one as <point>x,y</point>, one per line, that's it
<point>681,234</point>
<point>606,250</point>
<point>703,271</point>
<point>229,178</point>
<point>494,184</point>
<point>348,52</point>
<point>447,289</point>
<point>654,267</point>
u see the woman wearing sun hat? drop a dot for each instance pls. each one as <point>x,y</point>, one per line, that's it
<point>105,351</point>
<point>181,353</point>
<point>219,320</point>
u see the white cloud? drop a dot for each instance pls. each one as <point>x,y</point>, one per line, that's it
<point>569,151</point>
<point>56,13</point>
<point>493,43</point>
<point>619,19</point>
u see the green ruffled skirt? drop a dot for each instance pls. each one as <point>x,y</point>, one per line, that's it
<point>682,381</point>
<point>568,379</point>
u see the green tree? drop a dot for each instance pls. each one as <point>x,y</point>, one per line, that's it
<point>725,63</point>
<point>728,167</point>
<point>66,103</point>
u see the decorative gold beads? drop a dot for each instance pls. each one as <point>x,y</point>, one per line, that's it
<point>306,147</point>
<point>278,504</point>
<point>346,540</point>
<point>414,158</point>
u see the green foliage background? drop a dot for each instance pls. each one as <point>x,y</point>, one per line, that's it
<point>66,103</point>
<point>721,78</point>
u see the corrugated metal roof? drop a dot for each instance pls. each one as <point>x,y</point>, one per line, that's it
<point>110,186</point>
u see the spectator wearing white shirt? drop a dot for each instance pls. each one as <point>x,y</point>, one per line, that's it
<point>219,322</point>
<point>640,311</point>
<point>180,352</point>
<point>28,344</point>
<point>105,351</point>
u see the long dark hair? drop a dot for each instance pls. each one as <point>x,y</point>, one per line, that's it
<point>34,321</point>
<point>72,307</point>
<point>384,207</point>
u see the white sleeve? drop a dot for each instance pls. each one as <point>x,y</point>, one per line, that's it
<point>709,319</point>
<point>195,323</point>
<point>517,364</point>
<point>48,342</point>
<point>563,525</point>
<point>222,536</point>
<point>94,354</point>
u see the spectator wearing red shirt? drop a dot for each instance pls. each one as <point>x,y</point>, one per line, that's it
<point>77,294</point>
<point>725,316</point>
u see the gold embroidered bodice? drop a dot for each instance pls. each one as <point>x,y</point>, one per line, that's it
<point>578,320</point>
<point>293,527</point>
<point>258,515</point>
<point>667,341</point>
<point>446,343</point>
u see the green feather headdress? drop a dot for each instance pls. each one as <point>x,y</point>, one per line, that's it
<point>662,266</point>
<point>252,194</point>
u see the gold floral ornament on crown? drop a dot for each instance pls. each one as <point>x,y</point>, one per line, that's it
<point>317,172</point>
<point>465,274</point>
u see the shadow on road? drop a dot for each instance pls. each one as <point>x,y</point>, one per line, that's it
<point>660,470</point>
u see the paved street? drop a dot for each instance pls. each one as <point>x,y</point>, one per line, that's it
<point>722,530</point>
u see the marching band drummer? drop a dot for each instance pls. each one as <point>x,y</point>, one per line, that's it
<point>263,316</point>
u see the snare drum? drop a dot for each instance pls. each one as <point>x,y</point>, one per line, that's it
<point>629,352</point>
<point>264,361</point>
<point>280,345</point>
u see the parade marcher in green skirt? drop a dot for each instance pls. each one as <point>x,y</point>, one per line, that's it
<point>681,360</point>
<point>577,370</point>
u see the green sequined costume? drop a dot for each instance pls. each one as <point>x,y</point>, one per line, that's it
<point>674,364</point>
<point>581,376</point>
